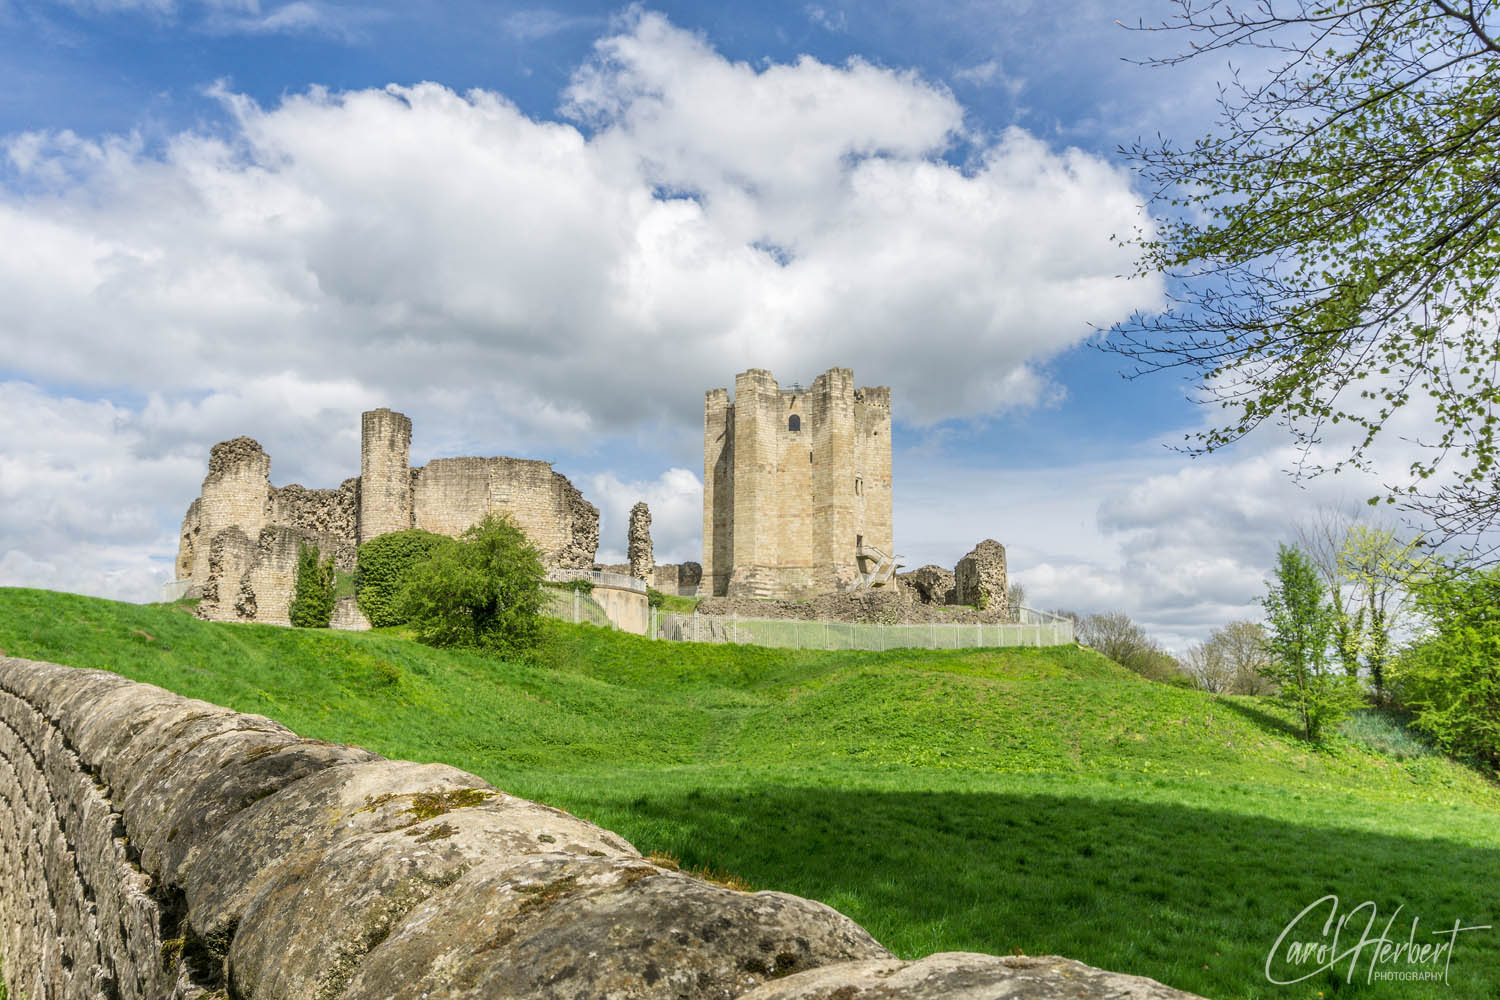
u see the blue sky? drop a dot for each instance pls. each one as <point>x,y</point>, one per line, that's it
<point>545,231</point>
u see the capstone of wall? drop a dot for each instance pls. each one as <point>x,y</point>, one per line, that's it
<point>638,542</point>
<point>980,581</point>
<point>156,847</point>
<point>797,484</point>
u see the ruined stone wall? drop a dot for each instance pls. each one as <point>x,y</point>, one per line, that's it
<point>980,579</point>
<point>794,482</point>
<point>452,494</point>
<point>679,579</point>
<point>236,493</point>
<point>385,495</point>
<point>158,848</point>
<point>638,543</point>
<point>243,574</point>
<point>328,519</point>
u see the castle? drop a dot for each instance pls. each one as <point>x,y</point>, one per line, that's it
<point>240,539</point>
<point>776,524</point>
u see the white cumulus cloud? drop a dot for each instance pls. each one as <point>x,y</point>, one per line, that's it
<point>523,286</point>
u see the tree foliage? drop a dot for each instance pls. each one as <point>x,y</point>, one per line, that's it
<point>1451,678</point>
<point>483,591</point>
<point>1368,569</point>
<point>1231,660</point>
<point>312,599</point>
<point>381,572</point>
<point>1115,635</point>
<point>1332,249</point>
<point>1299,629</point>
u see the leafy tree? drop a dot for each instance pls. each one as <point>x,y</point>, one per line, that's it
<point>1300,622</point>
<point>1122,640</point>
<point>1015,597</point>
<point>1231,660</point>
<point>381,571</point>
<point>483,592</point>
<point>1367,568</point>
<point>1451,679</point>
<point>312,600</point>
<point>1209,667</point>
<point>1331,250</point>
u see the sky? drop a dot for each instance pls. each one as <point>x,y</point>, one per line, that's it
<point>545,231</point>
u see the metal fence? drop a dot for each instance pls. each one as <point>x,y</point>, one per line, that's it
<point>599,578</point>
<point>1035,628</point>
<point>572,606</point>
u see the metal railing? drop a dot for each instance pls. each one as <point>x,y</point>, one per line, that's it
<point>1036,628</point>
<point>174,590</point>
<point>599,578</point>
<point>571,606</point>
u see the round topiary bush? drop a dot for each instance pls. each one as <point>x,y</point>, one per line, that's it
<point>381,571</point>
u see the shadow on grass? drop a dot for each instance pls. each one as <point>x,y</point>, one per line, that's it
<point>1260,717</point>
<point>1192,897</point>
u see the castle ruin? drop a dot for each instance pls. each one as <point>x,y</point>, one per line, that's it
<point>777,524</point>
<point>240,539</point>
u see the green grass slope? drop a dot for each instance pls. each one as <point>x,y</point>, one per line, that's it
<point>1042,801</point>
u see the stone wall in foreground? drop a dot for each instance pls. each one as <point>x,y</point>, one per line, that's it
<point>155,847</point>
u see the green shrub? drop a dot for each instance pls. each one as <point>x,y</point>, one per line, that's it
<point>484,591</point>
<point>383,563</point>
<point>312,603</point>
<point>655,598</point>
<point>1451,678</point>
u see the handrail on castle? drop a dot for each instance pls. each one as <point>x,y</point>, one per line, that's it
<point>599,578</point>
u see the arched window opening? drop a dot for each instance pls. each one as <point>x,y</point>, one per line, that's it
<point>794,423</point>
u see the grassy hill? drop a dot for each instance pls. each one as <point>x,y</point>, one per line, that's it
<point>1042,801</point>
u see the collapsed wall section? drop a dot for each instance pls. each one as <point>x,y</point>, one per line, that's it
<point>152,846</point>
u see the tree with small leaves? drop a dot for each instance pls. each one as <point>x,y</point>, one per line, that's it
<point>1299,625</point>
<point>1331,249</point>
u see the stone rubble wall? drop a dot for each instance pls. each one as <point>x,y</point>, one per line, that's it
<point>931,584</point>
<point>152,847</point>
<point>328,519</point>
<point>638,542</point>
<point>980,579</point>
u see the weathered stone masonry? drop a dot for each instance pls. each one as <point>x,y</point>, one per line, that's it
<point>155,847</point>
<point>796,484</point>
<point>240,538</point>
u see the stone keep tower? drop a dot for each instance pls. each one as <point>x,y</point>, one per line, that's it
<point>796,485</point>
